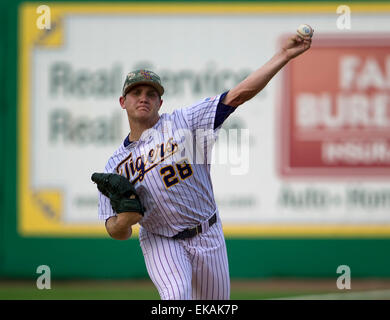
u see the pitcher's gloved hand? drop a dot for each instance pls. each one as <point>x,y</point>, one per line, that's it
<point>122,194</point>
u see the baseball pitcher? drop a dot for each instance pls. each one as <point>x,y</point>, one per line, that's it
<point>153,179</point>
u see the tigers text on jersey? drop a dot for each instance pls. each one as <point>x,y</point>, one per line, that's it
<point>170,172</point>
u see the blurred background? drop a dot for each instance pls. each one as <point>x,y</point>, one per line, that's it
<point>301,172</point>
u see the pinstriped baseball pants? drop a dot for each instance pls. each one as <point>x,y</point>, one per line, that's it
<point>195,268</point>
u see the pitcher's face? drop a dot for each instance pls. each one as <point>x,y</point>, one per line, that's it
<point>142,103</point>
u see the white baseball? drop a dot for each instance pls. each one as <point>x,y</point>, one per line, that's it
<point>305,30</point>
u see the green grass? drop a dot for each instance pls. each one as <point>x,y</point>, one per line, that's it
<point>260,295</point>
<point>77,294</point>
<point>145,290</point>
<point>79,291</point>
<point>109,290</point>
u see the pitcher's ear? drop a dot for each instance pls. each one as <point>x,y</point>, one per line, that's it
<point>122,101</point>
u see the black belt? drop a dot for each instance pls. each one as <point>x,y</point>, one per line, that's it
<point>189,233</point>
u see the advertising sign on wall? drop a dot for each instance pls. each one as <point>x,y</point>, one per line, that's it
<point>308,156</point>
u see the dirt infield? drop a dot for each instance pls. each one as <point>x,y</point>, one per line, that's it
<point>308,284</point>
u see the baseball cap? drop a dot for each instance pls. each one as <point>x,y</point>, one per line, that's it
<point>145,77</point>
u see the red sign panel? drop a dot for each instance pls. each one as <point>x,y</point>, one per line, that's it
<point>334,118</point>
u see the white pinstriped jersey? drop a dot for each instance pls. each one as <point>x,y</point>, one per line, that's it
<point>176,192</point>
